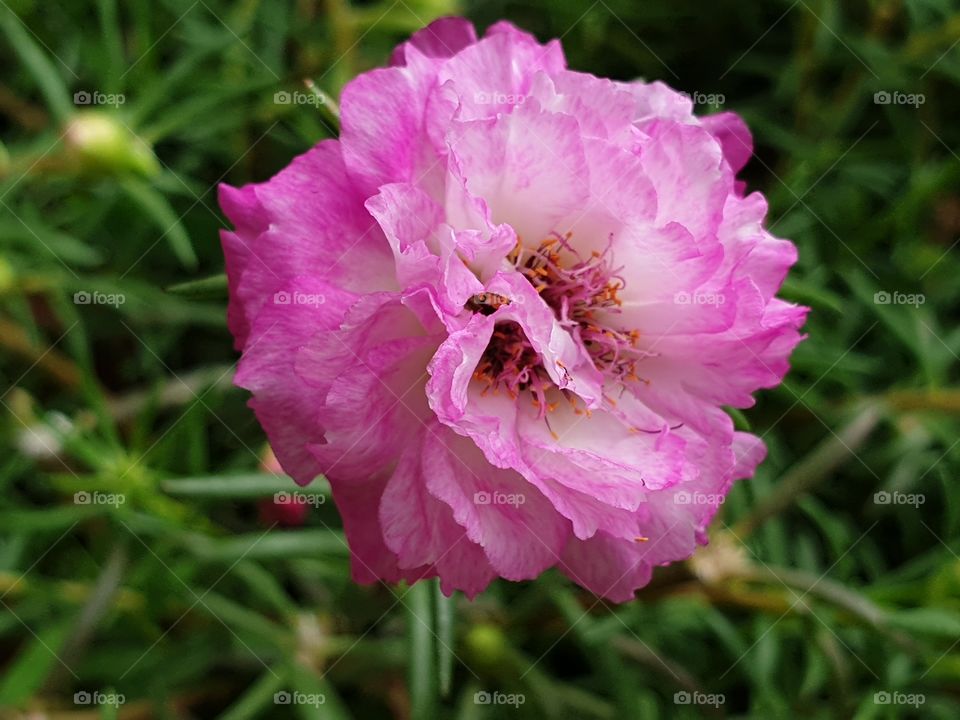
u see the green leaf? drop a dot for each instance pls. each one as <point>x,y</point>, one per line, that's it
<point>35,60</point>
<point>257,698</point>
<point>421,632</point>
<point>30,233</point>
<point>254,627</point>
<point>34,663</point>
<point>159,210</point>
<point>933,621</point>
<point>238,487</point>
<point>55,519</point>
<point>112,33</point>
<point>211,288</point>
<point>276,545</point>
<point>266,585</point>
<point>327,704</point>
<point>446,609</point>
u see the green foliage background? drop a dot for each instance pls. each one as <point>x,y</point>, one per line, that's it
<point>816,594</point>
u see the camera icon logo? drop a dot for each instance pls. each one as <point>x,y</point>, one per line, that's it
<point>881,298</point>
<point>281,298</point>
<point>282,698</point>
<point>882,97</point>
<point>882,498</point>
<point>82,97</point>
<point>482,697</point>
<point>481,497</point>
<point>281,97</point>
<point>682,298</point>
<point>81,498</point>
<point>882,698</point>
<point>682,697</point>
<point>81,297</point>
<point>82,698</point>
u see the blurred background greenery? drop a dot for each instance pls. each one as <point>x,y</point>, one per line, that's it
<point>141,557</point>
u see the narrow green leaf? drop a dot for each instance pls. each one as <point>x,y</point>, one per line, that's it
<point>266,586</point>
<point>254,627</point>
<point>277,545</point>
<point>159,210</point>
<point>932,621</point>
<point>239,487</point>
<point>834,450</point>
<point>211,288</point>
<point>317,699</point>
<point>56,519</point>
<point>26,46</point>
<point>112,34</point>
<point>421,633</point>
<point>255,701</point>
<point>34,663</point>
<point>327,106</point>
<point>446,609</point>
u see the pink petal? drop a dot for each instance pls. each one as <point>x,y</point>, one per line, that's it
<point>443,38</point>
<point>733,135</point>
<point>305,220</point>
<point>520,532</point>
<point>529,167</point>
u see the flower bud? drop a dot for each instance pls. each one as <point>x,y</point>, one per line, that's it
<point>98,143</point>
<point>8,277</point>
<point>487,644</point>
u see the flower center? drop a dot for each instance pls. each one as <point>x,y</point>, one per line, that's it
<point>510,361</point>
<point>577,288</point>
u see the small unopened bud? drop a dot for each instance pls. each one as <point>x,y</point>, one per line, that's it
<point>8,276</point>
<point>98,143</point>
<point>42,440</point>
<point>487,644</point>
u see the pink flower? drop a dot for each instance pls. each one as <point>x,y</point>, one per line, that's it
<point>502,314</point>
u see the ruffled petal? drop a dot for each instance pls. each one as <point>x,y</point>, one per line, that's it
<point>519,531</point>
<point>734,137</point>
<point>306,220</point>
<point>528,166</point>
<point>443,38</point>
<point>287,407</point>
